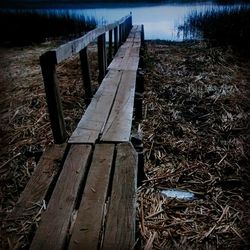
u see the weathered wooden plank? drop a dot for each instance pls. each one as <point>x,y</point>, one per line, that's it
<point>40,181</point>
<point>89,220</point>
<point>96,115</point>
<point>121,215</point>
<point>86,75</point>
<point>127,57</point>
<point>47,62</point>
<point>35,192</point>
<point>53,228</point>
<point>118,126</point>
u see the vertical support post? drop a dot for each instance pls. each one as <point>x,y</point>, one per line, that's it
<point>136,139</point>
<point>48,66</point>
<point>130,21</point>
<point>120,35</point>
<point>102,57</point>
<point>115,40</point>
<point>86,75</point>
<point>123,33</point>
<point>139,95</point>
<point>110,46</point>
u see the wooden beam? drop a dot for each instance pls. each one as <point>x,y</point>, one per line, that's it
<point>102,57</point>
<point>48,66</point>
<point>54,225</point>
<point>35,192</point>
<point>71,48</point>
<point>86,75</point>
<point>115,40</point>
<point>118,126</point>
<point>110,48</point>
<point>120,35</point>
<point>121,214</point>
<point>92,123</point>
<point>89,222</point>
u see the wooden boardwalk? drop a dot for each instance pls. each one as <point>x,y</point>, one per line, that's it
<point>93,203</point>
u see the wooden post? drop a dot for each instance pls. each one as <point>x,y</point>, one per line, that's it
<point>130,21</point>
<point>86,75</point>
<point>123,32</point>
<point>48,66</point>
<point>110,46</point>
<point>120,35</point>
<point>115,40</point>
<point>139,95</point>
<point>102,57</point>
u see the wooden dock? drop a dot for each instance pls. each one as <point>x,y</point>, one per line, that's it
<point>92,203</point>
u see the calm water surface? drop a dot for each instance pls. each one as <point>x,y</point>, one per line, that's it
<point>160,21</point>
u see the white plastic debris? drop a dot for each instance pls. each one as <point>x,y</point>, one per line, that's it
<point>178,194</point>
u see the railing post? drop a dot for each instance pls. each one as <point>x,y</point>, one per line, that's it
<point>86,75</point>
<point>123,32</point>
<point>110,46</point>
<point>48,66</point>
<point>115,40</point>
<point>120,35</point>
<point>130,21</point>
<point>102,57</point>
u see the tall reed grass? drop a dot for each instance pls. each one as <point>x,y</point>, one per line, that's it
<point>227,26</point>
<point>26,27</point>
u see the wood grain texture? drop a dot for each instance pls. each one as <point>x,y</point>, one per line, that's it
<point>71,48</point>
<point>88,224</point>
<point>118,126</point>
<point>120,223</point>
<point>48,66</point>
<point>53,228</point>
<point>39,182</point>
<point>128,55</point>
<point>96,115</point>
<point>102,57</point>
<point>86,75</point>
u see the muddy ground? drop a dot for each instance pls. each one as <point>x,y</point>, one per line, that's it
<point>195,131</point>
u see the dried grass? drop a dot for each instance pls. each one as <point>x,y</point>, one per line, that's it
<point>196,138</point>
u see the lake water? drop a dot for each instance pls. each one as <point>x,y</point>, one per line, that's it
<point>160,21</point>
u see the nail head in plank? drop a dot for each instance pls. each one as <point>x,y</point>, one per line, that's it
<point>53,228</point>
<point>88,224</point>
<point>120,224</point>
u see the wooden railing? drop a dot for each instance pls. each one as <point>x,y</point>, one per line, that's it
<point>117,33</point>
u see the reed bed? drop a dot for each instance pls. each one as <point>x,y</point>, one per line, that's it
<point>24,27</point>
<point>196,139</point>
<point>229,26</point>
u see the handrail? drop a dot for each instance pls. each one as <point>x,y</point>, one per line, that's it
<point>71,48</point>
<point>51,58</point>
